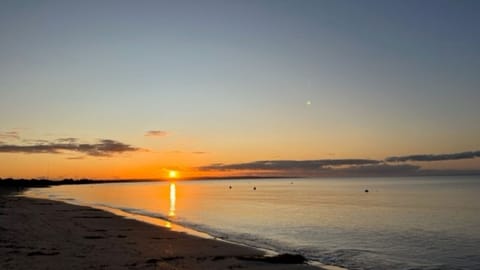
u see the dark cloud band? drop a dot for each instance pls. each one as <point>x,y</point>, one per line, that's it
<point>282,165</point>
<point>102,148</point>
<point>320,168</point>
<point>441,157</point>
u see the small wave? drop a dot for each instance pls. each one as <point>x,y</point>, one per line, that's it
<point>363,259</point>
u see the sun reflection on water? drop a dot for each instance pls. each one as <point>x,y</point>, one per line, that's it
<point>173,198</point>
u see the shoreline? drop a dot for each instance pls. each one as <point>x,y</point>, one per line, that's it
<point>175,227</point>
<point>172,226</point>
<point>156,221</point>
<point>49,234</point>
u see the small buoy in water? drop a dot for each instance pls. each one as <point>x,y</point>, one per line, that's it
<point>291,183</point>
<point>366,190</point>
<point>230,187</point>
<point>254,188</point>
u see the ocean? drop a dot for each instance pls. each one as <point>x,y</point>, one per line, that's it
<point>400,223</point>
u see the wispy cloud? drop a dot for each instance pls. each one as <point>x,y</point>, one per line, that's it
<point>156,133</point>
<point>9,135</point>
<point>76,158</point>
<point>104,148</point>
<point>67,140</point>
<point>283,165</point>
<point>199,152</point>
<point>431,157</point>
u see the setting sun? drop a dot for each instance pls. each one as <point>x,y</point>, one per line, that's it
<point>172,174</point>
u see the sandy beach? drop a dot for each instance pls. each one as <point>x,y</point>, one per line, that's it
<point>44,234</point>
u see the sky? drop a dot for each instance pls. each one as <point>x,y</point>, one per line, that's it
<point>134,89</point>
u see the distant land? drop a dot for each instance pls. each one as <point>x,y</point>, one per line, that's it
<point>26,183</point>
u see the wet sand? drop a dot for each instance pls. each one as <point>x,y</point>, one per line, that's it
<point>44,234</point>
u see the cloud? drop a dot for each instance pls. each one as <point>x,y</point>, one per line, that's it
<point>199,152</point>
<point>35,141</point>
<point>65,140</point>
<point>319,168</point>
<point>431,157</point>
<point>9,135</point>
<point>76,158</point>
<point>284,165</point>
<point>156,133</point>
<point>102,148</point>
<point>378,170</point>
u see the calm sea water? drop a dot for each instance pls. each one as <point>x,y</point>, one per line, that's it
<point>401,223</point>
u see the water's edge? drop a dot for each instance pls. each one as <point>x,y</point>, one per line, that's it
<point>165,223</point>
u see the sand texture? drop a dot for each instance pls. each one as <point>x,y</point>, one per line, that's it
<point>43,234</point>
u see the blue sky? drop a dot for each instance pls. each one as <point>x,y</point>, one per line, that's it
<point>245,80</point>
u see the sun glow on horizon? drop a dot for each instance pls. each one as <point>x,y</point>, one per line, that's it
<point>172,174</point>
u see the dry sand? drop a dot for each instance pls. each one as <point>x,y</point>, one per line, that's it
<point>44,234</point>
